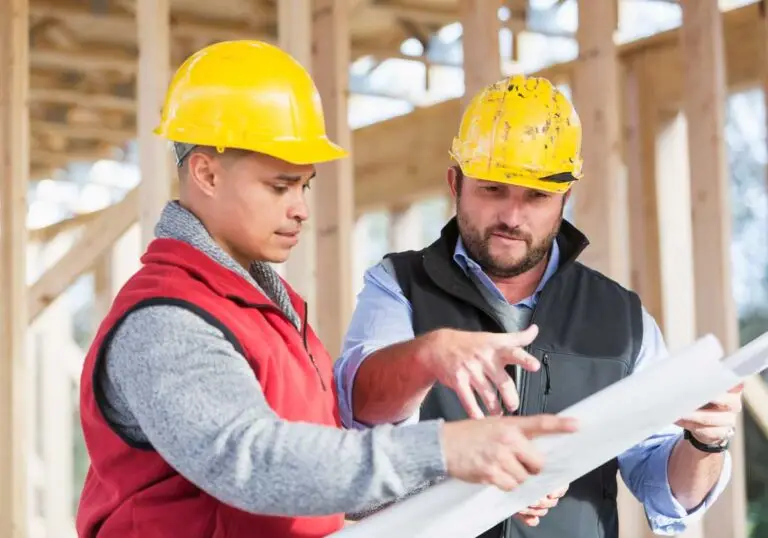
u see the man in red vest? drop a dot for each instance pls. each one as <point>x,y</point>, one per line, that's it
<point>208,404</point>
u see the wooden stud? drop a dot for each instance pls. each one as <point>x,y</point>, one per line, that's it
<point>644,236</point>
<point>600,204</point>
<point>14,171</point>
<point>480,41</point>
<point>153,17</point>
<point>640,114</point>
<point>295,37</point>
<point>334,186</point>
<point>98,237</point>
<point>704,77</point>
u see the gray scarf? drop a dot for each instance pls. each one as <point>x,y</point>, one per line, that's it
<point>178,223</point>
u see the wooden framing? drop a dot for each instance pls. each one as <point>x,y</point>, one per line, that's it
<point>640,149</point>
<point>402,160</point>
<point>97,239</point>
<point>600,202</point>
<point>295,37</point>
<point>482,57</point>
<point>705,93</point>
<point>154,74</point>
<point>334,187</point>
<point>636,140</point>
<point>14,170</point>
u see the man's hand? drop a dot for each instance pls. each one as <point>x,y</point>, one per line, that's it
<point>530,516</point>
<point>470,362</point>
<point>498,450</point>
<point>715,421</point>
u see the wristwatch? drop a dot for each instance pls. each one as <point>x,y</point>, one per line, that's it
<point>711,448</point>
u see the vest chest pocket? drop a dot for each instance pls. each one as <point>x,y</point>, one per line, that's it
<point>566,379</point>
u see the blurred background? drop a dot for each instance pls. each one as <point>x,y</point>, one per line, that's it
<point>85,159</point>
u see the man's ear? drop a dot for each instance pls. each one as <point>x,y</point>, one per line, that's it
<point>451,176</point>
<point>200,172</point>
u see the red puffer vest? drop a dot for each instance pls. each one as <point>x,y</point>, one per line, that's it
<point>131,491</point>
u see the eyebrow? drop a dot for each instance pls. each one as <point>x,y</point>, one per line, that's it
<point>291,177</point>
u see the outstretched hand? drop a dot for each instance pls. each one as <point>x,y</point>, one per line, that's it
<point>475,362</point>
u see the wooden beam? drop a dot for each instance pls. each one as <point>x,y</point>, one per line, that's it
<point>14,169</point>
<point>434,17</point>
<point>154,75</point>
<point>295,37</point>
<point>641,114</point>
<point>705,91</point>
<point>47,233</point>
<point>756,399</point>
<point>99,236</point>
<point>600,199</point>
<point>91,57</point>
<point>334,184</point>
<point>62,158</point>
<point>79,98</point>
<point>84,132</point>
<point>182,25</point>
<point>482,57</point>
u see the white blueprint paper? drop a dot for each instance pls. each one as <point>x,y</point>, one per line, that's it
<point>611,421</point>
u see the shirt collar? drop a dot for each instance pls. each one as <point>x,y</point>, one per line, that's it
<point>467,264</point>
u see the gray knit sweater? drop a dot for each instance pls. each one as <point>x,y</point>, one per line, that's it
<point>175,381</point>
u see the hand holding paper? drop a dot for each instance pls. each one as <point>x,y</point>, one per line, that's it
<point>610,422</point>
<point>715,421</point>
<point>530,516</point>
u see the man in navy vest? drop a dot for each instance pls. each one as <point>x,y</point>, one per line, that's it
<point>420,344</point>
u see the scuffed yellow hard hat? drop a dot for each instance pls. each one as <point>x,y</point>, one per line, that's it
<point>248,95</point>
<point>521,131</point>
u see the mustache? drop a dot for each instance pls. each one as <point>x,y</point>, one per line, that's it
<point>514,233</point>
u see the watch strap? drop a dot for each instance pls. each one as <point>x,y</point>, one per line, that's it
<point>714,448</point>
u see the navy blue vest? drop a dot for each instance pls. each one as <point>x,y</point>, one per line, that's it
<point>590,332</point>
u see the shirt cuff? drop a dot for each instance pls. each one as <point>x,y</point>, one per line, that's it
<point>346,370</point>
<point>665,514</point>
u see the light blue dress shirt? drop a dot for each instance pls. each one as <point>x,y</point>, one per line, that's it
<point>383,317</point>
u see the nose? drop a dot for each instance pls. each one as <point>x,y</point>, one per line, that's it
<point>511,212</point>
<point>299,209</point>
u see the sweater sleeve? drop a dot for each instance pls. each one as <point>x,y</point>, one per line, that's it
<point>175,380</point>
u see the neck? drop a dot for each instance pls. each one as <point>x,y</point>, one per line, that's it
<point>519,287</point>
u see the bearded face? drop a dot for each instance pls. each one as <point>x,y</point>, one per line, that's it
<point>508,230</point>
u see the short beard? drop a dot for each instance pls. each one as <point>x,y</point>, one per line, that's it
<point>477,245</point>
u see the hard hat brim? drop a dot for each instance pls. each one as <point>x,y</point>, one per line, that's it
<point>315,151</point>
<point>481,171</point>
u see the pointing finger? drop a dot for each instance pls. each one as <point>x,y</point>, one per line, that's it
<point>518,339</point>
<point>467,398</point>
<point>520,356</point>
<point>506,386</point>
<point>534,426</point>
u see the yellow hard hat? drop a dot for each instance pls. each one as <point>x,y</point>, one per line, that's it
<point>248,95</point>
<point>521,131</point>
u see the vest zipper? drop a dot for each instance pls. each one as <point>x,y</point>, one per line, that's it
<point>547,376</point>
<point>306,346</point>
<point>302,332</point>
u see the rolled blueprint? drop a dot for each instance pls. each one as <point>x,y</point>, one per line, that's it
<point>610,422</point>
